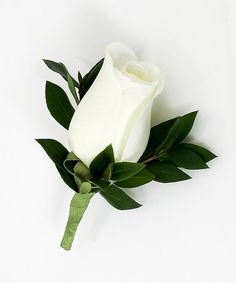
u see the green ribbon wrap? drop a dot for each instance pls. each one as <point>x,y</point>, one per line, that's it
<point>78,205</point>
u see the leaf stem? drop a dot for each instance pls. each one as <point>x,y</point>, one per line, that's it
<point>155,157</point>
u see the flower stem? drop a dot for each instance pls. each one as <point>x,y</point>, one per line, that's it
<point>78,205</point>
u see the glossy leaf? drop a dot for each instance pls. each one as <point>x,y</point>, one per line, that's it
<point>101,161</point>
<point>171,137</point>
<point>101,184</point>
<point>67,178</point>
<point>60,69</point>
<point>55,150</point>
<point>118,198</point>
<point>80,78</point>
<point>186,158</point>
<point>124,170</point>
<point>205,154</point>
<point>72,88</point>
<point>89,78</point>
<point>169,133</point>
<point>141,178</point>
<point>58,104</point>
<point>188,121</point>
<point>107,173</point>
<point>157,136</point>
<point>166,172</point>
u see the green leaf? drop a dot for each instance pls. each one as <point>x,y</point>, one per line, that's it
<point>89,78</point>
<point>186,158</point>
<point>60,69</point>
<point>171,137</point>
<point>70,162</point>
<point>107,173</point>
<point>58,104</point>
<point>188,121</point>
<point>157,136</point>
<point>80,78</point>
<point>169,133</point>
<point>118,198</point>
<point>205,154</point>
<point>141,178</point>
<point>67,178</point>
<point>72,88</point>
<point>124,170</point>
<point>166,172</point>
<point>55,150</point>
<point>78,205</point>
<point>101,184</point>
<point>102,160</point>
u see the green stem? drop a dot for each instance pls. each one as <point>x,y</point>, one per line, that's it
<point>78,205</point>
<point>155,157</point>
<point>150,159</point>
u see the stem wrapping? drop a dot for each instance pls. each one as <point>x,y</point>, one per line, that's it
<point>78,205</point>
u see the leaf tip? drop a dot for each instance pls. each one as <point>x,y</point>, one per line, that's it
<point>47,62</point>
<point>48,83</point>
<point>38,140</point>
<point>214,156</point>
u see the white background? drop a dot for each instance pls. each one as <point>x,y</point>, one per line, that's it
<point>185,232</point>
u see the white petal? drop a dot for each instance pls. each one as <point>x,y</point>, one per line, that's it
<point>117,108</point>
<point>138,137</point>
<point>94,123</point>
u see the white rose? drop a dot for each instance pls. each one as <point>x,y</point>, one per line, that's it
<point>117,108</point>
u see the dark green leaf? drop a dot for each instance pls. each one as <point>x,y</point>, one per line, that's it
<point>89,78</point>
<point>67,178</point>
<point>55,150</point>
<point>70,161</point>
<point>186,158</point>
<point>188,121</point>
<point>171,137</point>
<point>166,172</point>
<point>141,178</point>
<point>124,170</point>
<point>102,160</point>
<point>165,135</point>
<point>72,88</point>
<point>101,184</point>
<point>58,104</point>
<point>205,154</point>
<point>80,77</point>
<point>107,173</point>
<point>157,136</point>
<point>60,69</point>
<point>118,198</point>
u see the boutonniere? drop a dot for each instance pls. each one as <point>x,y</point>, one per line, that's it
<point>112,145</point>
